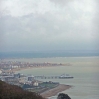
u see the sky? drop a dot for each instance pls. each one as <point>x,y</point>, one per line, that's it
<point>49,25</point>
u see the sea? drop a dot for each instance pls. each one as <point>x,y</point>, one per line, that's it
<point>84,68</point>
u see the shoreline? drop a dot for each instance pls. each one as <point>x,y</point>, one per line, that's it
<point>24,68</point>
<point>55,91</point>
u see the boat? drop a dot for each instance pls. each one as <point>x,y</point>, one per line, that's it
<point>65,76</point>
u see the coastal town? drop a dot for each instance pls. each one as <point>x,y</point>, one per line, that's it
<point>28,82</point>
<point>12,66</point>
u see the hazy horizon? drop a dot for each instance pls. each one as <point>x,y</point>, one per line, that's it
<point>49,54</point>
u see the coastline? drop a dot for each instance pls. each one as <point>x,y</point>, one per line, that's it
<point>52,91</point>
<point>24,68</point>
<point>49,92</point>
<point>79,66</point>
<point>55,91</point>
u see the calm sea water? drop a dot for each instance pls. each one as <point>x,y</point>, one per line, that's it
<point>46,54</point>
<point>84,69</point>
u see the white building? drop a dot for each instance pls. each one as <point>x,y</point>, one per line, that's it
<point>35,83</point>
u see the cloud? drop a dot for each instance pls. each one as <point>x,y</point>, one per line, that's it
<point>24,7</point>
<point>61,2</point>
<point>41,25</point>
<point>42,30</point>
<point>95,27</point>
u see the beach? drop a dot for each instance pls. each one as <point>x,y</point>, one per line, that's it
<point>55,91</point>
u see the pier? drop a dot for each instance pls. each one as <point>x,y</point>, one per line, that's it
<point>63,76</point>
<point>46,77</point>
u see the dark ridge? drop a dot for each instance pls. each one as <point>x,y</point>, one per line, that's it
<point>14,92</point>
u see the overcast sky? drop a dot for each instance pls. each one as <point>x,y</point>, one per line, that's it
<point>41,25</point>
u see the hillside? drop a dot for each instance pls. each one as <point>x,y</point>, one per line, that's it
<point>14,92</point>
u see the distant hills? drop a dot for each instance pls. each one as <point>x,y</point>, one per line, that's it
<point>14,92</point>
